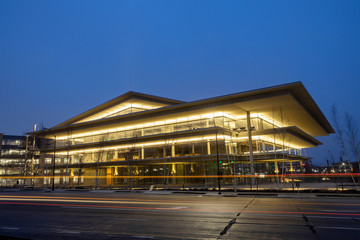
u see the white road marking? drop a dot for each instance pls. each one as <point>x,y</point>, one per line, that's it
<point>130,209</point>
<point>175,208</point>
<point>71,232</point>
<point>142,236</point>
<point>131,219</point>
<point>312,216</point>
<point>110,208</point>
<point>88,201</point>
<point>336,210</point>
<point>339,228</point>
<point>272,214</point>
<point>10,228</point>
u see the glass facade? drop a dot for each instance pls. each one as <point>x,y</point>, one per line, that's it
<point>128,145</point>
<point>15,159</point>
<point>222,122</point>
<point>189,155</point>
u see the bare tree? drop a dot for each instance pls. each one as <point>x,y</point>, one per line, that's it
<point>352,132</point>
<point>27,161</point>
<point>99,159</point>
<point>68,156</point>
<point>80,171</point>
<point>339,130</point>
<point>274,147</point>
<point>340,137</point>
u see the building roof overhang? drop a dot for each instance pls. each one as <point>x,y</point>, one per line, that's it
<point>287,136</point>
<point>130,97</point>
<point>288,104</point>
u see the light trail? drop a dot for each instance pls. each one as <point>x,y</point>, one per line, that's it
<point>311,203</point>
<point>181,209</point>
<point>83,198</point>
<point>106,200</point>
<point>239,200</point>
<point>129,201</point>
<point>295,176</point>
<point>96,201</point>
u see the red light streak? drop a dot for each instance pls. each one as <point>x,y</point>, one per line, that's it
<point>181,209</point>
<point>196,176</point>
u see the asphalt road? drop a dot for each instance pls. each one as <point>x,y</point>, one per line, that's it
<point>120,215</point>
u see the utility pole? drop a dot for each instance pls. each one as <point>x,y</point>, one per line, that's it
<point>33,154</point>
<point>252,170</point>
<point>217,159</point>
<point>53,170</point>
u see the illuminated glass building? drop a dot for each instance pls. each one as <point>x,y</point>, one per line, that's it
<point>141,139</point>
<point>12,153</point>
<point>16,160</point>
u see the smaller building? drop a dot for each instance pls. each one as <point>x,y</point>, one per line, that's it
<point>16,160</point>
<point>344,166</point>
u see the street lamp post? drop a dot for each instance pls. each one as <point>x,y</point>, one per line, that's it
<point>217,158</point>
<point>53,170</point>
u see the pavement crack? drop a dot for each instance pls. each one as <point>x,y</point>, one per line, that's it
<point>248,204</point>
<point>228,227</point>
<point>307,221</point>
<point>233,221</point>
<point>309,224</point>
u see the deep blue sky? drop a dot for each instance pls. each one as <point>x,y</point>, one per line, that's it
<point>60,58</point>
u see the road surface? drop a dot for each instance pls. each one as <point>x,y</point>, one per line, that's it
<point>161,215</point>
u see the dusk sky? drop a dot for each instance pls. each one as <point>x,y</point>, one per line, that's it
<point>61,58</point>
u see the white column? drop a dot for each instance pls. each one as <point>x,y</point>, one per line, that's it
<point>263,147</point>
<point>173,168</point>
<point>291,167</point>
<point>208,147</point>
<point>250,146</point>
<point>276,167</point>
<point>229,146</point>
<point>173,150</point>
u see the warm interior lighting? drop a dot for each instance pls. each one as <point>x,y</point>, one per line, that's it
<point>177,141</point>
<point>170,121</point>
<point>151,124</point>
<point>140,145</point>
<point>272,121</point>
<point>116,110</point>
